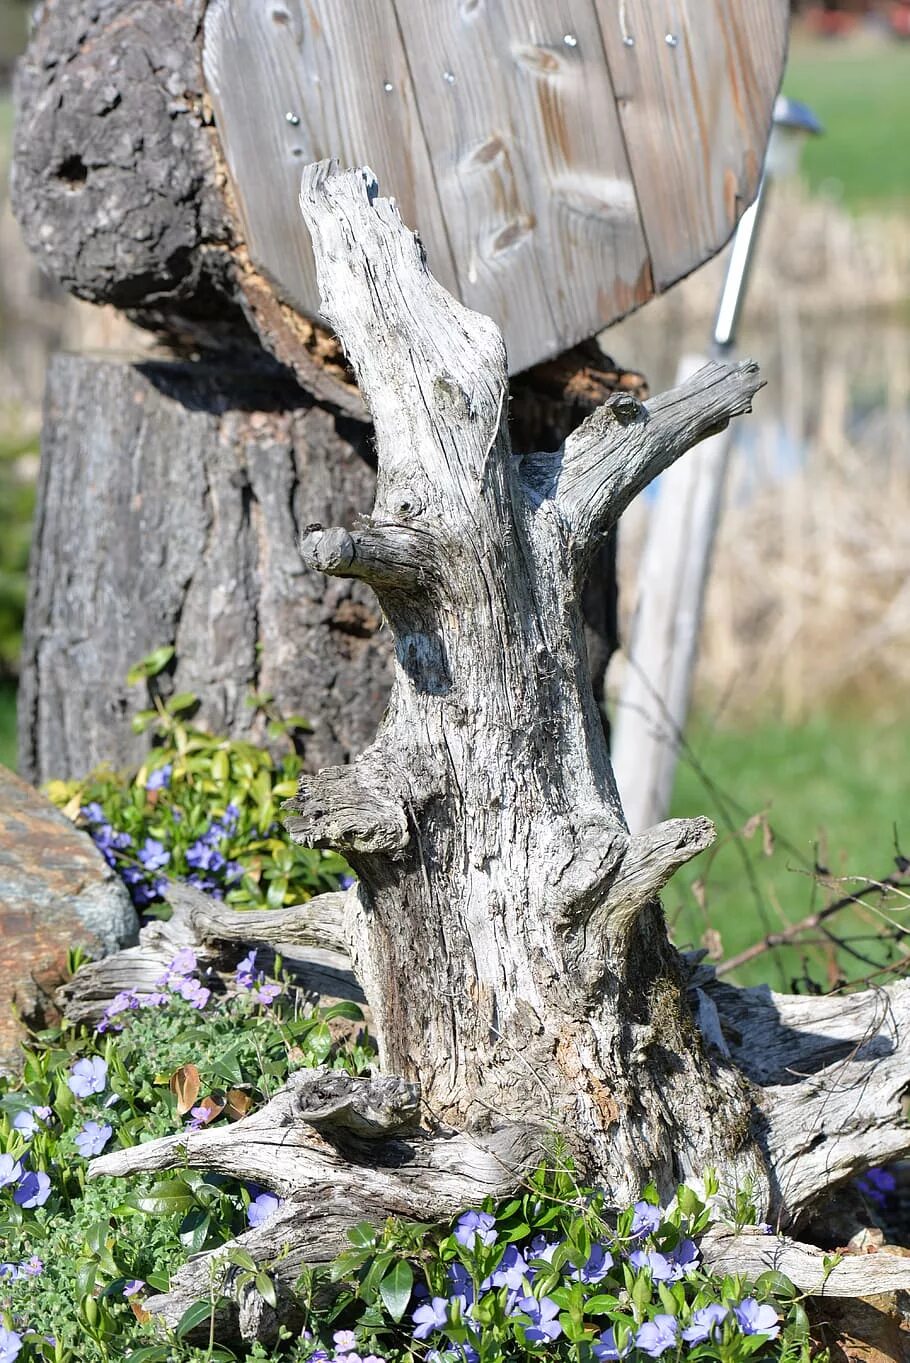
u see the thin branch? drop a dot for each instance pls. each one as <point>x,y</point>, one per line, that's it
<point>813,920</point>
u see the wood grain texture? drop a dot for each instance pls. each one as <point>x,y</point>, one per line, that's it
<point>530,166</point>
<point>292,81</point>
<point>695,82</point>
<point>542,200</point>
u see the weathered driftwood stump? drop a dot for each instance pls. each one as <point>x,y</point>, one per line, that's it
<point>506,929</point>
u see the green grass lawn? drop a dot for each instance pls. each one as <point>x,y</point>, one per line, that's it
<point>861,92</point>
<point>834,788</point>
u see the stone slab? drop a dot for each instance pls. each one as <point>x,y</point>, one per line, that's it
<point>56,892</point>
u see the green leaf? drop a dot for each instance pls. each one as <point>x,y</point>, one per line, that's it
<point>193,1317</point>
<point>173,1195</point>
<point>775,1284</point>
<point>151,1353</point>
<point>184,700</point>
<point>266,1288</point>
<point>319,1043</point>
<point>395,1289</point>
<point>363,1235</point>
<point>194,1229</point>
<point>150,665</point>
<point>241,1259</point>
<point>601,1304</point>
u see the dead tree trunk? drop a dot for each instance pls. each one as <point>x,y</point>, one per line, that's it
<point>506,929</point>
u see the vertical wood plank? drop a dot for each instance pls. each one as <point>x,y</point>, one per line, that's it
<point>695,82</point>
<point>530,165</point>
<point>293,81</point>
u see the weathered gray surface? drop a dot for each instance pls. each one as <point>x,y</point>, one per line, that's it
<point>171,498</point>
<point>170,501</point>
<point>492,852</point>
<point>562,159</point>
<point>558,175</point>
<point>308,937</point>
<point>56,892</point>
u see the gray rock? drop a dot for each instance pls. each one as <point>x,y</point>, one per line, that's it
<point>56,892</point>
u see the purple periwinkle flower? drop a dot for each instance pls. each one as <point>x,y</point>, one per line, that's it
<point>88,1077</point>
<point>10,1170</point>
<point>33,1190</point>
<point>462,1284</point>
<point>25,1123</point>
<point>202,857</point>
<point>183,964</point>
<point>659,1266</point>
<point>92,1139</point>
<point>755,1319</point>
<point>93,813</point>
<point>245,973</point>
<point>194,992</point>
<point>474,1226</point>
<point>646,1218</point>
<point>31,1268</point>
<point>431,1315</point>
<point>266,993</point>
<point>262,1209</point>
<point>10,1345</point>
<point>160,778</point>
<point>9,1271</point>
<point>685,1255</point>
<point>345,882</point>
<point>542,1248</point>
<point>153,855</point>
<point>345,1340</point>
<point>373,1358</point>
<point>657,1335</point>
<point>597,1267</point>
<point>512,1271</point>
<point>544,1327</point>
<point>605,1348</point>
<point>706,1323</point>
<point>233,871</point>
<point>132,1287</point>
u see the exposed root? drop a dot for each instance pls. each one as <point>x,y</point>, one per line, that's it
<point>834,1071</point>
<point>750,1253</point>
<point>309,938</point>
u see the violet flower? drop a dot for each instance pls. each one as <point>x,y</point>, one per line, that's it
<point>706,1323</point>
<point>88,1077</point>
<point>657,1335</point>
<point>474,1226</point>
<point>92,1139</point>
<point>754,1319</point>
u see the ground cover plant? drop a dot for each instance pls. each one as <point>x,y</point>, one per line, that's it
<point>202,808</point>
<point>551,1273</point>
<point>76,1257</point>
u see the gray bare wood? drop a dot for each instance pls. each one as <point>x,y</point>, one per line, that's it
<point>505,928</point>
<point>695,85</point>
<point>170,501</point>
<point>292,82</point>
<point>555,206</point>
<point>530,165</point>
<point>308,937</point>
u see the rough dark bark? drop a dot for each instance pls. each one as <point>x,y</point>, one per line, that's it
<point>170,502</point>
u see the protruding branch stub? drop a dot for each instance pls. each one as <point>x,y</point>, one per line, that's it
<point>625,444</point>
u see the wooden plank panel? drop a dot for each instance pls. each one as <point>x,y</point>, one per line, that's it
<point>530,165</point>
<point>695,81</point>
<point>293,81</point>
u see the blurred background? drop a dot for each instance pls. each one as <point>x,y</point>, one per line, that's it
<point>799,743</point>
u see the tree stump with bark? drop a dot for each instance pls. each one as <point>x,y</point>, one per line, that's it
<point>506,929</point>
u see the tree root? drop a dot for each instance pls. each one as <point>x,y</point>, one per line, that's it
<point>308,937</point>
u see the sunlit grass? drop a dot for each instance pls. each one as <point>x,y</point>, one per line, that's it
<point>861,92</point>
